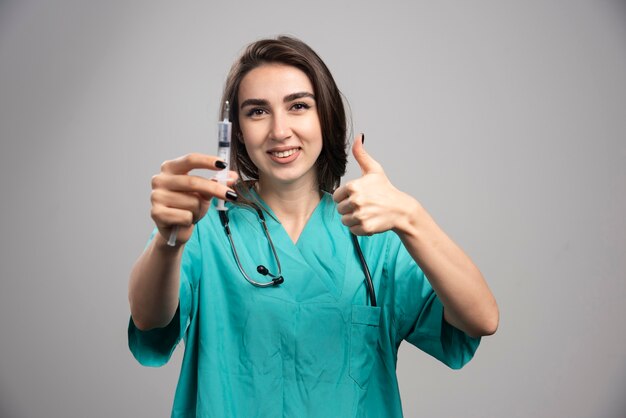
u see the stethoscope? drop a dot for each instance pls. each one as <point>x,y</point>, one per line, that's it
<point>277,279</point>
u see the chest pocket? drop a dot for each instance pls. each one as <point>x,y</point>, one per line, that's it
<point>364,335</point>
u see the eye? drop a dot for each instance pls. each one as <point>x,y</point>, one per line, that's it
<point>255,112</point>
<point>300,106</point>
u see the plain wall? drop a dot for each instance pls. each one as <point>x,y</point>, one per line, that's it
<point>505,119</point>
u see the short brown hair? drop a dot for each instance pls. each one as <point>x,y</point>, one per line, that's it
<point>331,163</point>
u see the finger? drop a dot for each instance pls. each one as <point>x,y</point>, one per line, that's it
<point>175,200</point>
<point>204,207</point>
<point>206,188</point>
<point>193,203</point>
<point>365,161</point>
<point>360,231</point>
<point>341,194</point>
<point>345,207</point>
<point>349,220</point>
<point>165,217</point>
<point>193,161</point>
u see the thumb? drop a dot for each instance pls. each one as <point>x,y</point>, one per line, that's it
<point>366,162</point>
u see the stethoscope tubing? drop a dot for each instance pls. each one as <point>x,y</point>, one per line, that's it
<point>368,277</point>
<point>278,278</point>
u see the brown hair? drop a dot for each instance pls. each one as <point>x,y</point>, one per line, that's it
<point>331,163</point>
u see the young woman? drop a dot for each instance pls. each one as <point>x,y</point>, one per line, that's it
<point>302,318</point>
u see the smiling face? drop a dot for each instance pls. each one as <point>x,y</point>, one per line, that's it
<point>280,125</point>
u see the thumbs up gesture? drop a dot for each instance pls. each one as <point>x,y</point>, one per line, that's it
<point>371,204</point>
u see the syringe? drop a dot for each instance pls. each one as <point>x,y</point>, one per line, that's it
<point>224,129</point>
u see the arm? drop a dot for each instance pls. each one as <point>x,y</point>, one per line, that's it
<point>468,303</point>
<point>371,205</point>
<point>178,199</point>
<point>154,283</point>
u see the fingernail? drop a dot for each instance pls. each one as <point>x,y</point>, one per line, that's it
<point>231,195</point>
<point>220,164</point>
<point>362,138</point>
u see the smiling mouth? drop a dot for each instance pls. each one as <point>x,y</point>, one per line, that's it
<point>284,154</point>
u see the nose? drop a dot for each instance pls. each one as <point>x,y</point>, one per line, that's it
<point>280,129</point>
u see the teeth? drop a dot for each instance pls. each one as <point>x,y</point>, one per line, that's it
<point>283,154</point>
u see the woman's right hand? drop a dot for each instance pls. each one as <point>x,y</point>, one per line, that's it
<point>180,199</point>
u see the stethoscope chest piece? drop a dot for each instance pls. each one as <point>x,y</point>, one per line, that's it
<point>277,279</point>
<point>261,269</point>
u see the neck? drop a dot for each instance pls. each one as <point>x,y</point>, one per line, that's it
<point>292,204</point>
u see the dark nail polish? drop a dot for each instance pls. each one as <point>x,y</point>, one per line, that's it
<point>362,138</point>
<point>231,195</point>
<point>220,164</point>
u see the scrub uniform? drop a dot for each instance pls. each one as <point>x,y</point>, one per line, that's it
<point>311,347</point>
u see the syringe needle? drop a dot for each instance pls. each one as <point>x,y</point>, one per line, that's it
<point>172,241</point>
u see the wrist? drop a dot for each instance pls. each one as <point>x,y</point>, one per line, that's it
<point>163,248</point>
<point>409,213</point>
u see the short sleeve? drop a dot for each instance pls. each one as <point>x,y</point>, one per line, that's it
<point>418,312</point>
<point>155,347</point>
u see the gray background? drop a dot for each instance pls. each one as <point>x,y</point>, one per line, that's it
<point>507,120</point>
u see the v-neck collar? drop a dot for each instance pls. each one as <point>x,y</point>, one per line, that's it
<point>315,215</point>
<point>316,252</point>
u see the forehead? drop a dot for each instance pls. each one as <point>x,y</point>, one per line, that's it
<point>273,81</point>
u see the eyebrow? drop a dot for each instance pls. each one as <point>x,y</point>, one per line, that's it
<point>288,98</point>
<point>295,96</point>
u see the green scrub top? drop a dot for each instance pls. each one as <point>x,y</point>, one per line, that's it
<point>311,347</point>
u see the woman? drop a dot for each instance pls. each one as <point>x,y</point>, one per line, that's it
<point>319,342</point>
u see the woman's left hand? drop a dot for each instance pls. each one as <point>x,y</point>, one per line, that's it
<point>371,204</point>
